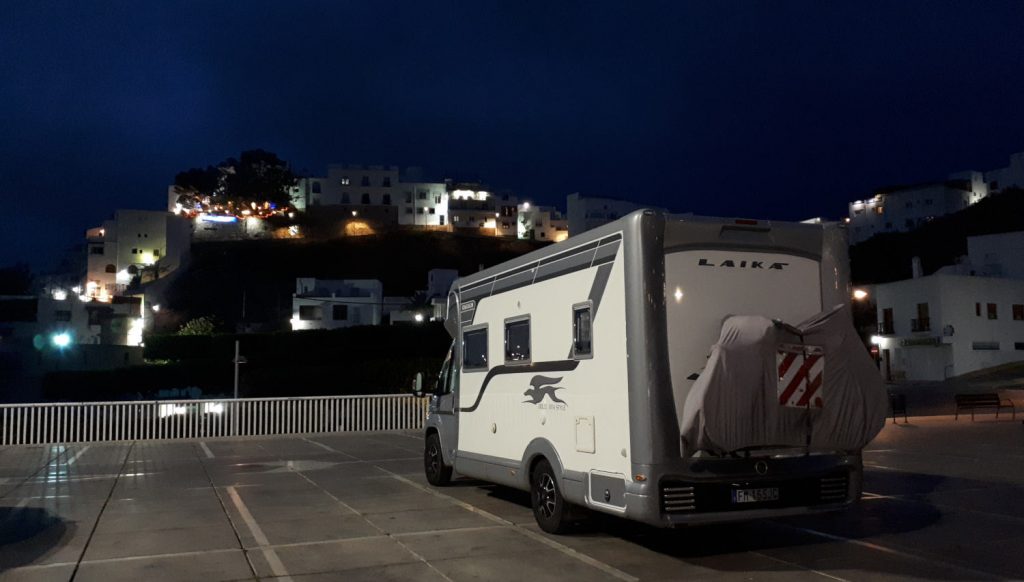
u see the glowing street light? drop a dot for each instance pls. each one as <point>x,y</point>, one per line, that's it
<point>418,317</point>
<point>860,294</point>
<point>61,340</point>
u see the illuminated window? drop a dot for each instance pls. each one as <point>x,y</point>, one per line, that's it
<point>344,181</point>
<point>517,339</point>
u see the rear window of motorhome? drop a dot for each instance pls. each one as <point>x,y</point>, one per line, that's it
<point>582,333</point>
<point>474,349</point>
<point>517,340</point>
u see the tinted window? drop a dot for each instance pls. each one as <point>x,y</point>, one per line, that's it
<point>582,332</point>
<point>339,312</point>
<point>517,341</point>
<point>310,313</point>
<point>474,349</point>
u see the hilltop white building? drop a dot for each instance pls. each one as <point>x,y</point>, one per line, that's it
<point>905,208</point>
<point>132,240</point>
<point>585,213</point>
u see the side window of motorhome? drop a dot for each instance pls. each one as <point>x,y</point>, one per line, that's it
<point>582,331</point>
<point>517,339</point>
<point>474,349</point>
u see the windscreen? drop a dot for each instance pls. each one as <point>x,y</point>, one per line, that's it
<point>703,287</point>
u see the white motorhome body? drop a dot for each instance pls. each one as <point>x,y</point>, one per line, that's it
<point>578,358</point>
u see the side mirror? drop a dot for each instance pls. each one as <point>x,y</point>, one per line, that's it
<point>417,385</point>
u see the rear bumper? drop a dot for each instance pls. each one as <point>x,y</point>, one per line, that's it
<point>700,491</point>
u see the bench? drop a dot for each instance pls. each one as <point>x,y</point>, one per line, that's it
<point>973,401</point>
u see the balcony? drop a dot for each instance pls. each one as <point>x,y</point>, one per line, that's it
<point>885,328</point>
<point>920,324</point>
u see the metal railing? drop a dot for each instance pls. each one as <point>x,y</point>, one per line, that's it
<point>90,422</point>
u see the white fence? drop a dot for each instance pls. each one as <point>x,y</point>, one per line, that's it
<point>91,422</point>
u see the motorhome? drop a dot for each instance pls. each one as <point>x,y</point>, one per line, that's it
<point>668,369</point>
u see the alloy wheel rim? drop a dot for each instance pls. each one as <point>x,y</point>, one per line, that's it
<point>546,495</point>
<point>432,461</point>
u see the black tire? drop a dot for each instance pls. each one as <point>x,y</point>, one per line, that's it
<point>553,513</point>
<point>438,474</point>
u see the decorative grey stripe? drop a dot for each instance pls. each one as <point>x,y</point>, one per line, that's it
<point>597,289</point>
<point>552,366</point>
<point>606,253</point>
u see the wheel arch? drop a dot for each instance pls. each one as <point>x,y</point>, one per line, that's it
<point>571,483</point>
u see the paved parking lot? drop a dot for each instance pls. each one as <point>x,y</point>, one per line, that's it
<point>943,500</point>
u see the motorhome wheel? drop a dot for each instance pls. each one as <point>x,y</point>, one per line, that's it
<point>438,474</point>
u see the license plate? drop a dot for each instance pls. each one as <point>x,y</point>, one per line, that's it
<point>755,495</point>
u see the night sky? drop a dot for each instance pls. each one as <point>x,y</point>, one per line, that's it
<point>765,109</point>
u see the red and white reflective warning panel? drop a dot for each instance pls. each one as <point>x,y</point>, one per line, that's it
<point>801,373</point>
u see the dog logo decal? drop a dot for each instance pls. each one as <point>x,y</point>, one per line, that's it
<point>541,386</point>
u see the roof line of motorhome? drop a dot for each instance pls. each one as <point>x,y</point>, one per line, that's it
<point>739,246</point>
<point>544,261</point>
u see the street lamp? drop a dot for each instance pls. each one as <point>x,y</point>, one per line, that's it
<point>61,340</point>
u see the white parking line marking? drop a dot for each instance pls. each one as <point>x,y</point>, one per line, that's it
<point>328,448</point>
<point>974,574</point>
<point>72,460</point>
<point>795,565</point>
<point>606,568</point>
<point>276,566</point>
<point>206,450</point>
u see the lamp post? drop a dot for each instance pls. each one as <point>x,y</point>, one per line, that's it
<point>237,361</point>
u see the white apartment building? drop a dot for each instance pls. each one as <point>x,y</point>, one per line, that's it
<point>995,255</point>
<point>584,213</point>
<point>905,208</point>
<point>337,303</point>
<point>543,223</point>
<point>439,282</point>
<point>62,320</point>
<point>473,207</point>
<point>423,204</point>
<point>939,326</point>
<point>380,192</point>
<point>130,241</point>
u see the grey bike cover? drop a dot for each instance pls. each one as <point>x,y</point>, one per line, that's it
<point>766,386</point>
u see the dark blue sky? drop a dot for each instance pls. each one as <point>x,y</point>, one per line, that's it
<point>765,109</point>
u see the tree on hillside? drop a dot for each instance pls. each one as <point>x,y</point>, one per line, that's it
<point>257,182</point>
<point>205,325</point>
<point>15,279</point>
